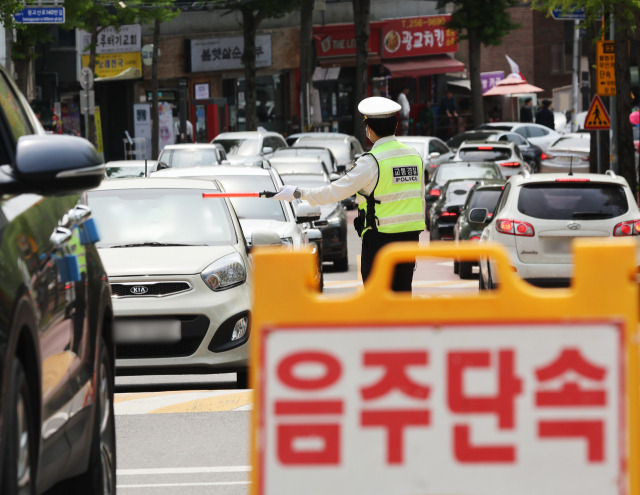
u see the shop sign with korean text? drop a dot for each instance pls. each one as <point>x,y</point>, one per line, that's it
<point>126,39</point>
<point>225,53</point>
<point>417,36</point>
<point>338,40</point>
<point>112,64</point>
<point>605,68</point>
<point>519,390</point>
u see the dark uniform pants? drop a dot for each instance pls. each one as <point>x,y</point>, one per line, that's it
<point>372,242</point>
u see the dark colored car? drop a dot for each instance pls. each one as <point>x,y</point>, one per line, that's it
<point>332,223</point>
<point>482,195</point>
<point>457,170</point>
<point>56,348</point>
<point>531,153</point>
<point>445,211</point>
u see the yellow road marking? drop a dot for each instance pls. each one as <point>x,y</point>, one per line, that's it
<point>227,402</point>
<point>124,397</point>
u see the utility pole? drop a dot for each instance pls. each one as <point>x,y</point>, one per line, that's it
<point>613,133</point>
<point>576,72</point>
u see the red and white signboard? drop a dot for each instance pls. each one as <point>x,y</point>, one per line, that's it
<point>447,409</point>
<point>417,36</point>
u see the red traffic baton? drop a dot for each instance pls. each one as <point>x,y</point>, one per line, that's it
<point>263,194</point>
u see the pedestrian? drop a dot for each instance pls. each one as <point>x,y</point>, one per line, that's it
<point>447,116</point>
<point>405,110</point>
<point>388,182</point>
<point>526,111</point>
<point>181,136</point>
<point>427,120</point>
<point>544,115</point>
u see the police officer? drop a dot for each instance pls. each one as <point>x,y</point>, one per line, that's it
<point>389,187</point>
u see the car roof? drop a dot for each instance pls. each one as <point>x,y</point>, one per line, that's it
<point>191,146</point>
<point>246,134</point>
<point>295,159</point>
<point>247,170</point>
<point>608,177</point>
<point>319,134</point>
<point>463,163</point>
<point>130,163</point>
<point>493,144</point>
<point>157,183</point>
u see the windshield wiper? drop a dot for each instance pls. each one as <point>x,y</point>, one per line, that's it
<point>586,215</point>
<point>154,244</point>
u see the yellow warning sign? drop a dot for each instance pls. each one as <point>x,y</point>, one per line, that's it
<point>605,71</point>
<point>597,118</point>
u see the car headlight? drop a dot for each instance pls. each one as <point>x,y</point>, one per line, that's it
<point>287,242</point>
<point>225,273</point>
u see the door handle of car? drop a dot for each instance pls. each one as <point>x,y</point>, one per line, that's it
<point>60,236</point>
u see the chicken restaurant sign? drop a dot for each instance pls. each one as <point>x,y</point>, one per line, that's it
<point>225,53</point>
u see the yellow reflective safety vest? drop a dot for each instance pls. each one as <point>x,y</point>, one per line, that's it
<point>396,203</point>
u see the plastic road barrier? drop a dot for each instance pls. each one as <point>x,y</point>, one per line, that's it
<point>514,391</point>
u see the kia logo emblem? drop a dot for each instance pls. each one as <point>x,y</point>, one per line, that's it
<point>139,289</point>
<point>573,226</point>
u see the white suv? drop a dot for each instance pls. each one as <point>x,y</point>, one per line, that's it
<point>538,216</point>
<point>250,147</point>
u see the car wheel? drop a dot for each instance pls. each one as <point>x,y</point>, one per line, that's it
<point>100,478</point>
<point>434,234</point>
<point>242,379</point>
<point>20,448</point>
<point>342,265</point>
<point>466,270</point>
<point>456,267</point>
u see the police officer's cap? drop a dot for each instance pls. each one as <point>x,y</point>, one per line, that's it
<point>378,107</point>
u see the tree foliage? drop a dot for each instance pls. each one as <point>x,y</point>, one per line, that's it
<point>481,22</point>
<point>253,12</point>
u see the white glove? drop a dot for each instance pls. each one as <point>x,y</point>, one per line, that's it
<point>286,193</point>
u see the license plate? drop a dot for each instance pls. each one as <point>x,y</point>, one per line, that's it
<point>557,245</point>
<point>146,331</point>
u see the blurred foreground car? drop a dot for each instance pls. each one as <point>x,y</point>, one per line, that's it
<point>569,153</point>
<point>482,197</point>
<point>120,169</point>
<point>56,346</point>
<point>538,216</point>
<point>179,273</point>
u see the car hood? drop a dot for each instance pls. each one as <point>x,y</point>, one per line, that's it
<point>172,260</point>
<point>250,224</point>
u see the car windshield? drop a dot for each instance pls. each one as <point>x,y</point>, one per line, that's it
<point>121,172</point>
<point>338,147</point>
<point>485,198</point>
<point>458,139</point>
<point>160,217</point>
<point>572,201</point>
<point>464,171</point>
<point>243,147</point>
<point>188,157</point>
<point>458,191</point>
<point>305,180</point>
<point>298,167</point>
<point>483,153</point>
<point>313,152</point>
<point>253,208</point>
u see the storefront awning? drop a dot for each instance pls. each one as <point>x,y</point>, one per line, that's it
<point>423,66</point>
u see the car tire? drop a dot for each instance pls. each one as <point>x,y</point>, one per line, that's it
<point>434,234</point>
<point>100,478</point>
<point>19,473</point>
<point>456,267</point>
<point>342,265</point>
<point>465,270</point>
<point>242,379</point>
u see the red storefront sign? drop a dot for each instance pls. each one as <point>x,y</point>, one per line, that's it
<point>337,40</point>
<point>417,36</point>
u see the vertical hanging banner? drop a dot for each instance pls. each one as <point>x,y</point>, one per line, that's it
<point>517,390</point>
<point>605,68</point>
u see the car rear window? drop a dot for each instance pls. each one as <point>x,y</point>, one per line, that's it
<point>572,201</point>
<point>485,198</point>
<point>445,174</point>
<point>186,157</point>
<point>484,153</point>
<point>253,208</point>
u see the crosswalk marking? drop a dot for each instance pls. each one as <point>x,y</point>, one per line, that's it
<point>183,402</point>
<point>183,470</point>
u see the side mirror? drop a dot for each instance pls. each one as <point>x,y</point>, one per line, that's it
<point>267,149</point>
<point>434,155</point>
<point>334,177</point>
<point>52,164</point>
<point>162,166</point>
<point>307,213</point>
<point>265,238</point>
<point>478,215</point>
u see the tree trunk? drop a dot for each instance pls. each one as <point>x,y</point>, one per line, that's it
<point>624,142</point>
<point>306,58</point>
<point>361,16</point>
<point>155,122</point>
<point>249,27</point>
<point>477,107</point>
